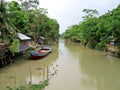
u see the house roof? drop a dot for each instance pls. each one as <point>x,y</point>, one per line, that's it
<point>42,37</point>
<point>23,37</point>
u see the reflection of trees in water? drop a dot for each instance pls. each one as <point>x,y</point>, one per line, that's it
<point>39,74</point>
<point>19,72</point>
<point>46,76</point>
<point>36,76</point>
<point>99,73</point>
<point>74,47</point>
<point>41,71</point>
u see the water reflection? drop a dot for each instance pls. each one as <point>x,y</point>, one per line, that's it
<point>98,71</point>
<point>77,68</point>
<point>24,71</point>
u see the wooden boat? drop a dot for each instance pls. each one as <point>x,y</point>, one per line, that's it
<point>44,51</point>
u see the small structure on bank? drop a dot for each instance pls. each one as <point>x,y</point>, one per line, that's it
<point>24,42</point>
<point>41,40</point>
<point>18,45</point>
<point>111,46</point>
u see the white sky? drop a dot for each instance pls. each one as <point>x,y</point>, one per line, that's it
<point>69,12</point>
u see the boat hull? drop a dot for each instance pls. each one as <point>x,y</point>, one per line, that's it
<point>44,51</point>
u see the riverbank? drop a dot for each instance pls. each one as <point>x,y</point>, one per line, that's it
<point>111,50</point>
<point>5,56</point>
<point>78,68</point>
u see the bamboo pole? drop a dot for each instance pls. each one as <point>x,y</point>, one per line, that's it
<point>47,73</point>
<point>30,76</point>
<point>15,80</point>
<point>43,73</point>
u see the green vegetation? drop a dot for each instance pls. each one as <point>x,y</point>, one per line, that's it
<point>27,18</point>
<point>47,75</point>
<point>95,32</point>
<point>15,45</point>
<point>39,86</point>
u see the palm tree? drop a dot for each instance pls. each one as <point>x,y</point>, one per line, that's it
<point>7,30</point>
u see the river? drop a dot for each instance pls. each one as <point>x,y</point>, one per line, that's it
<point>76,68</point>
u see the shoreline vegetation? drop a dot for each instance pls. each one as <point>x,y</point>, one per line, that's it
<point>111,50</point>
<point>30,86</point>
<point>97,32</point>
<point>24,18</point>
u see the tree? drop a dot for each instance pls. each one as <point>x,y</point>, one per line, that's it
<point>95,32</point>
<point>20,18</point>
<point>26,18</point>
<point>7,29</point>
<point>29,4</point>
<point>90,13</point>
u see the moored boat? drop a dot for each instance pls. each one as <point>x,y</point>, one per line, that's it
<point>44,51</point>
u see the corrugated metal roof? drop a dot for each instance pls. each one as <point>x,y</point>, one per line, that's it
<point>42,37</point>
<point>23,37</point>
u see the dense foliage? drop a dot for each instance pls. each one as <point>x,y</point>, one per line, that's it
<point>95,32</point>
<point>27,18</point>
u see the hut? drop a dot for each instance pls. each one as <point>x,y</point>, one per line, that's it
<point>111,45</point>
<point>24,42</point>
<point>41,40</point>
<point>17,47</point>
<point>20,44</point>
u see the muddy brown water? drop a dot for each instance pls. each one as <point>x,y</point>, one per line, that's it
<point>77,67</point>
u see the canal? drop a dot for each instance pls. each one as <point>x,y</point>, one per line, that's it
<point>71,67</point>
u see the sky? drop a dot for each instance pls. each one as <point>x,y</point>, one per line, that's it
<point>69,12</point>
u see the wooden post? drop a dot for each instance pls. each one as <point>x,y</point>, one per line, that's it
<point>15,80</point>
<point>47,73</point>
<point>30,76</point>
<point>43,73</point>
